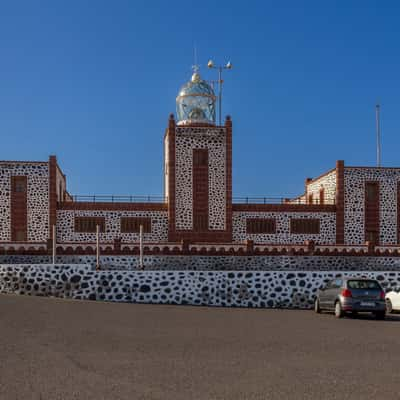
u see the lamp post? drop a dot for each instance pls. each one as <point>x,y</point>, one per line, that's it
<point>228,65</point>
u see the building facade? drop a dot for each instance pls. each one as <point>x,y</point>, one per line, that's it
<point>352,210</point>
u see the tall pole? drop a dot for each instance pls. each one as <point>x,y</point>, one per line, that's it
<point>210,64</point>
<point>220,94</point>
<point>141,247</point>
<point>97,247</point>
<point>378,135</point>
<point>54,244</point>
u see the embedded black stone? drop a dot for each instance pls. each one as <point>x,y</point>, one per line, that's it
<point>145,288</point>
<point>75,278</point>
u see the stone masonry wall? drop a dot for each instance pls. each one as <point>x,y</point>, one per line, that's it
<point>327,233</point>
<point>37,199</point>
<point>213,139</point>
<point>328,183</point>
<point>354,180</point>
<point>66,226</point>
<point>218,288</point>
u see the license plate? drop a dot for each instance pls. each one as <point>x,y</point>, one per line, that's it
<point>367,304</point>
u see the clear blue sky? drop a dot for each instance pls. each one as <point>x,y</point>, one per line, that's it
<point>94,82</point>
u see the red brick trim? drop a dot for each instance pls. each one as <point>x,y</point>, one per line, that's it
<point>398,212</point>
<point>19,209</point>
<point>78,205</point>
<point>228,166</point>
<point>200,190</point>
<point>284,207</point>
<point>321,196</point>
<point>200,237</point>
<point>339,202</point>
<point>170,134</point>
<point>52,193</point>
<point>371,212</point>
<point>116,248</point>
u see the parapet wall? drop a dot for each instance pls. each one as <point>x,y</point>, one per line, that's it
<point>219,263</point>
<point>293,289</point>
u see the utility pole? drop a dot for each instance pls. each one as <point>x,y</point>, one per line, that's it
<point>97,247</point>
<point>54,244</point>
<point>141,247</point>
<point>378,135</point>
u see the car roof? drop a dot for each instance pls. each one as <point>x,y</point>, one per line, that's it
<point>358,279</point>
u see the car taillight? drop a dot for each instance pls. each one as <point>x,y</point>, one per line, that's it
<point>382,295</point>
<point>346,293</point>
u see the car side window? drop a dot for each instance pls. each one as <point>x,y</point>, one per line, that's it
<point>338,283</point>
<point>330,285</point>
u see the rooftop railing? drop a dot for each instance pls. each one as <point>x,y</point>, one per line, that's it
<point>161,199</point>
<point>119,199</point>
<point>279,200</point>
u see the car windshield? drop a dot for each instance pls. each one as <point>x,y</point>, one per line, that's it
<point>363,284</point>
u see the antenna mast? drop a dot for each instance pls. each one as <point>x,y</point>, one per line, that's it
<point>378,135</point>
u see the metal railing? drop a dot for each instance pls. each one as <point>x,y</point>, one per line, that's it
<point>119,199</point>
<point>278,200</point>
<point>161,199</point>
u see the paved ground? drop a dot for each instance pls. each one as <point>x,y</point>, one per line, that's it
<point>62,349</point>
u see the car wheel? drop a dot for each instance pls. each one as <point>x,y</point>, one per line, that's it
<point>389,306</point>
<point>317,308</point>
<point>339,313</point>
<point>380,315</point>
<point>354,314</point>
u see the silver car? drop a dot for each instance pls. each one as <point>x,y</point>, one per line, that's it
<point>351,295</point>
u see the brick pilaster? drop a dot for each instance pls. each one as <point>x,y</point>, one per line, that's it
<point>339,202</point>
<point>170,134</point>
<point>52,193</point>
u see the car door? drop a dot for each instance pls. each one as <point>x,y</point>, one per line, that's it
<point>323,295</point>
<point>396,299</point>
<point>333,292</point>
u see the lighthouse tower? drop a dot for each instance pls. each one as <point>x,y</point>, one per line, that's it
<point>198,167</point>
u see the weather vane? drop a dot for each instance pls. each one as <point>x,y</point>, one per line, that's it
<point>195,66</point>
<point>228,65</point>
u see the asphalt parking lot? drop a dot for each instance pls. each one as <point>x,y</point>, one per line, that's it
<point>64,349</point>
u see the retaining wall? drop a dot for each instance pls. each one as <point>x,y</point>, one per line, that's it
<point>293,289</point>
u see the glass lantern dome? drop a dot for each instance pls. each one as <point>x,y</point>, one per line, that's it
<point>195,103</point>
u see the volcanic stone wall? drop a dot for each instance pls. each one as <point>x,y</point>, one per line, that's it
<point>354,211</point>
<point>213,139</point>
<point>37,199</point>
<point>212,288</point>
<point>326,182</point>
<point>66,226</point>
<point>327,234</point>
